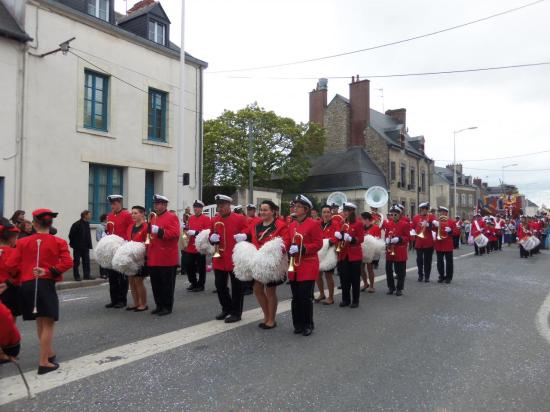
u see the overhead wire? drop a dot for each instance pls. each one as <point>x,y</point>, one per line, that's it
<point>497,158</point>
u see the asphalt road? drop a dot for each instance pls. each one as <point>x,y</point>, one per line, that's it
<point>469,346</point>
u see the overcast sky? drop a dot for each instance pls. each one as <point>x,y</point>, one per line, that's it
<point>511,108</point>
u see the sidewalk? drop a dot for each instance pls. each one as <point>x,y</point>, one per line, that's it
<point>69,282</point>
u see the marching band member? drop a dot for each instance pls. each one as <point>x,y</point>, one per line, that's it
<point>266,229</point>
<point>500,225</point>
<point>306,239</point>
<point>10,339</point>
<point>444,229</point>
<point>224,227</point>
<point>118,222</point>
<point>251,217</point>
<point>9,279</point>
<point>350,236</point>
<point>478,228</point>
<point>491,234</point>
<point>291,213</point>
<point>193,261</point>
<point>397,233</point>
<point>371,226</point>
<point>376,216</point>
<point>456,235</point>
<point>41,260</point>
<point>328,228</point>
<point>138,233</point>
<point>523,232</point>
<point>163,255</point>
<point>424,243</point>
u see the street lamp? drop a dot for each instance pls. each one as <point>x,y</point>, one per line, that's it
<point>454,163</point>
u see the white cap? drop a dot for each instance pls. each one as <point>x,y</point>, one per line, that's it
<point>303,200</point>
<point>111,198</point>
<point>198,203</point>
<point>349,205</point>
<point>159,198</point>
<point>222,198</point>
<point>424,205</point>
<point>250,206</point>
<point>443,208</point>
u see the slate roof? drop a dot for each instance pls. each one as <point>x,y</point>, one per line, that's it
<point>9,27</point>
<point>448,176</point>
<point>144,10</point>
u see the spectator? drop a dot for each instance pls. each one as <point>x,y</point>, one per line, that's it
<point>99,233</point>
<point>26,229</point>
<point>80,240</point>
<point>18,217</point>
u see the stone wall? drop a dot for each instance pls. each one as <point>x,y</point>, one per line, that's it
<point>337,124</point>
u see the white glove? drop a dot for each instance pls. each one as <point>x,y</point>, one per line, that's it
<point>239,237</point>
<point>394,240</point>
<point>293,250</point>
<point>338,235</point>
<point>191,232</point>
<point>154,229</point>
<point>214,238</point>
<point>435,223</point>
<point>448,230</point>
<point>347,237</point>
<point>387,241</point>
<point>425,223</point>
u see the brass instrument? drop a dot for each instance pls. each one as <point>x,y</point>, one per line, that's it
<point>421,234</point>
<point>341,243</point>
<point>294,263</point>
<point>151,220</point>
<point>217,248</point>
<point>441,235</point>
<point>391,247</point>
<point>110,227</point>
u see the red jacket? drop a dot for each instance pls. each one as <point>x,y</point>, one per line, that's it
<point>524,232</point>
<point>427,242</point>
<point>139,236</point>
<point>121,221</point>
<point>9,335</point>
<point>6,274</point>
<point>329,229</point>
<point>402,230</point>
<point>232,224</point>
<point>197,223</point>
<point>478,229</point>
<point>491,233</point>
<point>307,268</point>
<point>55,257</point>
<point>445,244</point>
<point>374,230</point>
<point>164,249</point>
<point>281,230</point>
<point>352,250</point>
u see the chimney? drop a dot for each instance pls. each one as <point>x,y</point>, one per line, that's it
<point>402,139</point>
<point>477,182</point>
<point>140,4</point>
<point>399,115</point>
<point>318,102</point>
<point>359,99</point>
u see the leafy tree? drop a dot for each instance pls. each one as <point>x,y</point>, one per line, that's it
<point>282,148</point>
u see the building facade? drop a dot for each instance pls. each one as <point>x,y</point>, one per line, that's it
<point>103,116</point>
<point>467,193</point>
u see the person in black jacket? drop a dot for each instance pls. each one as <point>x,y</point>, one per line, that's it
<point>80,239</point>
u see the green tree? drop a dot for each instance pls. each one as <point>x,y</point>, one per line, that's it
<point>282,148</point>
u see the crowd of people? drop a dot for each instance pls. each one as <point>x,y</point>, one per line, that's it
<point>313,247</point>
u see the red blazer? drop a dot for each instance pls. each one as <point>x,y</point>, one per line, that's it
<point>475,231</point>
<point>427,242</point>
<point>374,231</point>
<point>491,233</point>
<point>164,249</point>
<point>402,230</point>
<point>308,267</point>
<point>199,224</point>
<point>233,224</point>
<point>121,221</point>
<point>352,250</point>
<point>55,257</point>
<point>140,236</point>
<point>10,335</point>
<point>6,274</point>
<point>329,229</point>
<point>281,230</point>
<point>523,232</point>
<point>446,244</point>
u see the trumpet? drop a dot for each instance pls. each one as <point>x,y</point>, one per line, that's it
<point>217,248</point>
<point>151,220</point>
<point>441,234</point>
<point>110,227</point>
<point>390,248</point>
<point>420,233</point>
<point>294,263</point>
<point>341,244</point>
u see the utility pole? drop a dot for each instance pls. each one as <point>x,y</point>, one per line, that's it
<point>251,165</point>
<point>180,144</point>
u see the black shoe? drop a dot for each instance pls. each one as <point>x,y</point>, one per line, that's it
<point>51,359</point>
<point>266,327</point>
<point>298,331</point>
<point>232,319</point>
<point>426,280</point>
<point>440,280</point>
<point>110,305</point>
<point>307,332</point>
<point>155,311</point>
<point>390,292</point>
<point>198,289</point>
<point>420,279</point>
<point>447,281</point>
<point>354,305</point>
<point>398,293</point>
<point>119,305</point>
<point>164,312</point>
<point>88,278</point>
<point>339,287</point>
<point>191,287</point>
<point>222,316</point>
<point>42,370</point>
<point>343,304</point>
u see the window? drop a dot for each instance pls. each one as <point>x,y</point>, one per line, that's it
<point>149,190</point>
<point>403,175</point>
<point>413,179</point>
<point>413,209</point>
<point>470,200</point>
<point>423,181</point>
<point>96,91</point>
<point>463,199</point>
<point>392,171</point>
<point>157,32</point>
<point>104,180</point>
<point>157,115</point>
<point>99,9</point>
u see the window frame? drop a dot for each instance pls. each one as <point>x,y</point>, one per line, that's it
<point>96,12</point>
<point>97,205</point>
<point>393,172</point>
<point>403,175</point>
<point>150,116</point>
<point>156,24</point>
<point>423,181</point>
<point>104,102</point>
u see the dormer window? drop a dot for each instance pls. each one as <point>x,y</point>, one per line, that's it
<point>99,9</point>
<point>157,32</point>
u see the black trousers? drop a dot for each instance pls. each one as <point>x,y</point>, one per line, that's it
<point>350,278</point>
<point>231,303</point>
<point>400,270</point>
<point>479,250</point>
<point>445,265</point>
<point>456,242</point>
<point>523,252</point>
<point>163,283</point>
<point>118,286</point>
<point>302,304</point>
<point>499,241</point>
<point>193,263</point>
<point>424,262</point>
<point>83,254</point>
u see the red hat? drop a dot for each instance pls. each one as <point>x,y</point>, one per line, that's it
<point>44,212</point>
<point>9,228</point>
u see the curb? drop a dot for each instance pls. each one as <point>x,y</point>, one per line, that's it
<point>72,284</point>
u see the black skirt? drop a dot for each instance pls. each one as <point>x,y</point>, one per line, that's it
<point>47,301</point>
<point>11,298</point>
<point>142,273</point>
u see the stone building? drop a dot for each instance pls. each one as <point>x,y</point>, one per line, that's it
<point>442,191</point>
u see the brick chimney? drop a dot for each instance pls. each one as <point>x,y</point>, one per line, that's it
<point>140,4</point>
<point>359,99</point>
<point>399,115</point>
<point>318,102</point>
<point>458,168</point>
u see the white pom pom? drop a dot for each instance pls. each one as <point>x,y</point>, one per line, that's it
<point>372,248</point>
<point>327,257</point>
<point>243,260</point>
<point>202,243</point>
<point>105,250</point>
<point>129,258</point>
<point>271,262</point>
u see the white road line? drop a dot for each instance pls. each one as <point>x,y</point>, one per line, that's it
<point>543,318</point>
<point>88,365</point>
<point>71,299</point>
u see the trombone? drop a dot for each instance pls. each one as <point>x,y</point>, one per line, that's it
<point>442,234</point>
<point>217,248</point>
<point>294,263</point>
<point>151,220</point>
<point>341,244</point>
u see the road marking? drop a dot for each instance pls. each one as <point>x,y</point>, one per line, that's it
<point>71,299</point>
<point>542,319</point>
<point>89,365</point>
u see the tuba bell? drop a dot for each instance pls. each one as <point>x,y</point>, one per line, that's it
<point>376,196</point>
